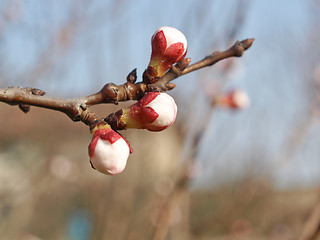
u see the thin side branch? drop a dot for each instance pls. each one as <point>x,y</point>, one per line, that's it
<point>77,108</point>
<point>311,229</point>
<point>236,50</point>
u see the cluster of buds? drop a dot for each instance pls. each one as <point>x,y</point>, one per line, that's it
<point>155,111</point>
<point>169,46</point>
<point>235,99</point>
<point>108,150</point>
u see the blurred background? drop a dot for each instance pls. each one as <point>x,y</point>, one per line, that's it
<point>215,174</point>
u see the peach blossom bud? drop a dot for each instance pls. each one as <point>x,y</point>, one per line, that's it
<point>169,46</point>
<point>108,150</point>
<point>236,99</point>
<point>155,112</point>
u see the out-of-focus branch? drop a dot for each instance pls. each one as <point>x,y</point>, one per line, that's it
<point>183,180</point>
<point>173,200</point>
<point>77,108</point>
<point>311,229</point>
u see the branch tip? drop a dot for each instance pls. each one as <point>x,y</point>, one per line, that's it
<point>247,43</point>
<point>132,76</point>
<point>170,86</point>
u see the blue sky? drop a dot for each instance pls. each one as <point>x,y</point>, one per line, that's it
<point>114,37</point>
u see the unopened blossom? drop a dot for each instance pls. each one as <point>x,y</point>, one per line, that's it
<point>108,150</point>
<point>236,99</point>
<point>169,46</point>
<point>154,112</point>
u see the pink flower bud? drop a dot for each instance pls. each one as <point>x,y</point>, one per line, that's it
<point>108,150</point>
<point>236,99</point>
<point>155,112</point>
<point>169,46</point>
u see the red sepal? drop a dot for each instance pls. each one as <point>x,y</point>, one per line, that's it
<point>159,44</point>
<point>148,98</point>
<point>174,52</point>
<point>142,114</point>
<point>92,146</point>
<point>110,136</point>
<point>106,134</point>
<point>156,128</point>
<point>148,115</point>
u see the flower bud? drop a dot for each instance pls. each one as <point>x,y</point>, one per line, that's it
<point>236,99</point>
<point>169,46</point>
<point>108,150</point>
<point>154,112</point>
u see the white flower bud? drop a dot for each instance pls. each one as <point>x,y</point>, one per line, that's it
<point>169,46</point>
<point>236,99</point>
<point>108,151</point>
<point>172,36</point>
<point>240,99</point>
<point>155,112</point>
<point>166,108</point>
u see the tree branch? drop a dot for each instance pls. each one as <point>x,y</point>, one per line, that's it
<point>77,108</point>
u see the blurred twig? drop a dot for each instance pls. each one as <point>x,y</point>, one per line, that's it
<point>311,230</point>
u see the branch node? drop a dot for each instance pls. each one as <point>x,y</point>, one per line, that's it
<point>110,93</point>
<point>37,92</point>
<point>158,87</point>
<point>114,120</point>
<point>33,91</point>
<point>240,47</point>
<point>149,76</point>
<point>88,118</point>
<point>134,91</point>
<point>183,63</point>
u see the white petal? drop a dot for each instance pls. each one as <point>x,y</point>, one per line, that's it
<point>110,158</point>
<point>173,35</point>
<point>241,99</point>
<point>166,107</point>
